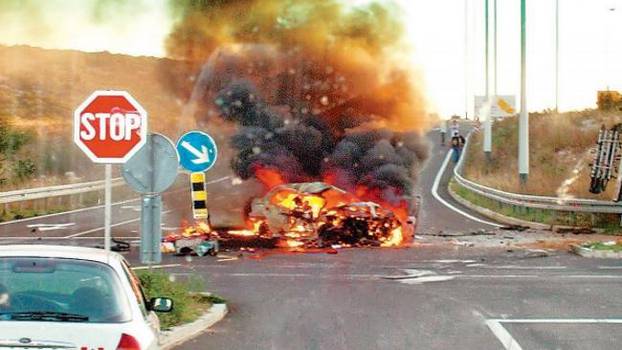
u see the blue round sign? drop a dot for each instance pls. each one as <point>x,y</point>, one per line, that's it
<point>197,151</point>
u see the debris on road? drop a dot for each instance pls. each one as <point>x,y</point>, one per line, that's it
<point>519,228</point>
<point>574,230</point>
<point>535,253</point>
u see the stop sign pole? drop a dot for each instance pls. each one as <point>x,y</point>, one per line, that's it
<point>109,127</point>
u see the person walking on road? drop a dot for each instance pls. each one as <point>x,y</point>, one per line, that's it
<point>443,131</point>
<point>457,143</point>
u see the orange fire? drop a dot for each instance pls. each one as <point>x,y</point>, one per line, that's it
<point>269,177</point>
<point>395,239</point>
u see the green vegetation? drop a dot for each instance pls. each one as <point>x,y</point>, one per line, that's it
<point>559,152</point>
<point>609,222</point>
<point>188,306</point>
<point>15,165</point>
<point>611,246</point>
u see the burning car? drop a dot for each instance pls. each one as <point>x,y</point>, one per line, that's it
<point>318,214</point>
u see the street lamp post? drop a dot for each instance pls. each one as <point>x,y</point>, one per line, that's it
<point>488,122</point>
<point>556,56</point>
<point>523,121</point>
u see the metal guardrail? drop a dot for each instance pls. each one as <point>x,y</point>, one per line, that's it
<point>531,201</point>
<point>55,191</point>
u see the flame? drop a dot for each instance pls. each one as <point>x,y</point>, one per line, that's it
<point>395,239</point>
<point>247,233</point>
<point>292,243</point>
<point>288,200</point>
<point>269,177</point>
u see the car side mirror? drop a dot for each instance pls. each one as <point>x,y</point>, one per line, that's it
<point>161,304</point>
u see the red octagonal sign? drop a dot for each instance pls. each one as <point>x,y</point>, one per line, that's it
<point>110,126</point>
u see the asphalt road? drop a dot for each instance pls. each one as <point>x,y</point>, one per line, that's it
<point>426,297</point>
<point>434,297</point>
<point>364,299</point>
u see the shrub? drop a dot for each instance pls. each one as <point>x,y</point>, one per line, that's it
<point>186,307</point>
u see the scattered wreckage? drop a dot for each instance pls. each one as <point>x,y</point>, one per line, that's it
<point>304,215</point>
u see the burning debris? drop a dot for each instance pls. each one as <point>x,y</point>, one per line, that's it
<point>328,116</point>
<point>307,215</point>
<point>320,215</point>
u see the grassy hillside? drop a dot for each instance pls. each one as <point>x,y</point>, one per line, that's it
<point>39,89</point>
<point>560,158</point>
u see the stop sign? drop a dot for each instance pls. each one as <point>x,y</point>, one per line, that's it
<point>110,126</point>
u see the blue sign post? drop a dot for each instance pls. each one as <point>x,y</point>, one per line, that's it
<point>197,151</point>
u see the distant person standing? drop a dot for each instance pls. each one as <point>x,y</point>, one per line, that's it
<point>457,143</point>
<point>443,131</point>
<point>455,128</point>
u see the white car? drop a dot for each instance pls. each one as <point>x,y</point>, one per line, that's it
<point>57,297</point>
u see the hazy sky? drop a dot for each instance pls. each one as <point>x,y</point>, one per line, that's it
<point>590,59</point>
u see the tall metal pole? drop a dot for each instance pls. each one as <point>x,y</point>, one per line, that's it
<point>107,206</point>
<point>488,122</point>
<point>494,62</point>
<point>523,121</point>
<point>466,59</point>
<point>556,56</point>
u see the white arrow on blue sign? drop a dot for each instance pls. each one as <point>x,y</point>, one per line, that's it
<point>197,151</point>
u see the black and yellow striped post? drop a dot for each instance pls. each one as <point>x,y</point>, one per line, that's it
<point>199,196</point>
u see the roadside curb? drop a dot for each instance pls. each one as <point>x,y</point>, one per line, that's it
<point>593,253</point>
<point>496,216</point>
<point>180,334</point>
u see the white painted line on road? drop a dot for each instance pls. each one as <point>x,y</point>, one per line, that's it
<point>426,279</point>
<point>113,225</point>
<point>497,276</point>
<point>227,259</point>
<point>592,276</point>
<point>450,261</point>
<point>549,277</point>
<point>155,267</point>
<point>59,238</point>
<point>610,267</point>
<point>51,227</point>
<point>509,343</point>
<point>167,228</point>
<point>516,267</point>
<point>559,320</point>
<point>437,182</point>
<point>97,206</point>
<point>64,213</point>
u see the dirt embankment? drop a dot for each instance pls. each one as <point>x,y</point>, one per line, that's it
<point>559,154</point>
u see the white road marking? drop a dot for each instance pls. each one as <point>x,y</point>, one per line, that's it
<point>59,238</point>
<point>227,259</point>
<point>168,228</point>
<point>113,225</point>
<point>437,182</point>
<point>610,267</point>
<point>451,261</point>
<point>132,207</point>
<point>509,343</point>
<point>516,267</point>
<point>99,206</point>
<point>426,279</point>
<point>155,267</point>
<point>65,212</point>
<point>559,320</point>
<point>410,273</point>
<point>51,227</point>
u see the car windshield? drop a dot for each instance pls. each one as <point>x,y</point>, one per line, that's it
<point>60,290</point>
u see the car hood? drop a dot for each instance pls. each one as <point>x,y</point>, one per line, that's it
<point>59,335</point>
